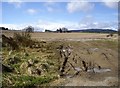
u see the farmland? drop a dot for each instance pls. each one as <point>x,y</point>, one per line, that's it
<point>62,59</point>
<point>63,36</point>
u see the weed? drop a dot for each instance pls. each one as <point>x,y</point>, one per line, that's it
<point>29,81</point>
<point>23,39</point>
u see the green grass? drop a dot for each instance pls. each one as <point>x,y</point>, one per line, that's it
<point>45,57</point>
<point>18,79</point>
<point>26,81</point>
<point>31,81</point>
<point>113,44</point>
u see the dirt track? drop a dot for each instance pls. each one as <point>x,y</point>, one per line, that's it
<point>102,52</point>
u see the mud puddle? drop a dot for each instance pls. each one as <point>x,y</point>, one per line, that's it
<point>94,70</point>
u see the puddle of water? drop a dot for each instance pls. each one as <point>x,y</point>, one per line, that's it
<point>69,76</point>
<point>86,39</point>
<point>96,70</point>
<point>78,69</point>
<point>72,75</point>
<point>93,49</point>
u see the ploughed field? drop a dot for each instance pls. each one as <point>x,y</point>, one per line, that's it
<point>60,59</point>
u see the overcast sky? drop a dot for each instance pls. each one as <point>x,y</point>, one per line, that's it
<point>51,15</point>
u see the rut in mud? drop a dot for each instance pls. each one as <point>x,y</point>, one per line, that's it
<point>81,64</point>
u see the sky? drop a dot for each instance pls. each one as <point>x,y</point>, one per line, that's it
<point>51,14</point>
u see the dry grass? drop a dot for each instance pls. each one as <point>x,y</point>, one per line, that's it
<point>62,36</point>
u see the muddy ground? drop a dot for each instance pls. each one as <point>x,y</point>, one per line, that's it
<point>96,53</point>
<point>92,59</point>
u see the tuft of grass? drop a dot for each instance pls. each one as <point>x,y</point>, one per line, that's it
<point>29,81</point>
<point>23,39</point>
<point>105,43</point>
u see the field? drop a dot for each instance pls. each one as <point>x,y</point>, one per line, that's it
<point>62,59</point>
<point>63,36</point>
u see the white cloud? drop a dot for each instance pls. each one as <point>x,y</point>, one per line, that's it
<point>21,26</point>
<point>12,26</point>
<point>86,23</point>
<point>49,25</point>
<point>75,25</point>
<point>98,25</point>
<point>50,9</point>
<point>49,6</point>
<point>32,11</point>
<point>14,0</point>
<point>111,0</point>
<point>49,3</point>
<point>1,13</point>
<point>111,3</point>
<point>79,6</point>
<point>91,22</point>
<point>52,6</point>
<point>16,3</point>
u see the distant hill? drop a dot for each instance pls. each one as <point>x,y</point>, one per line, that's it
<point>95,30</point>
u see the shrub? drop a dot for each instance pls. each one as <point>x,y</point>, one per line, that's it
<point>9,42</point>
<point>23,39</point>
